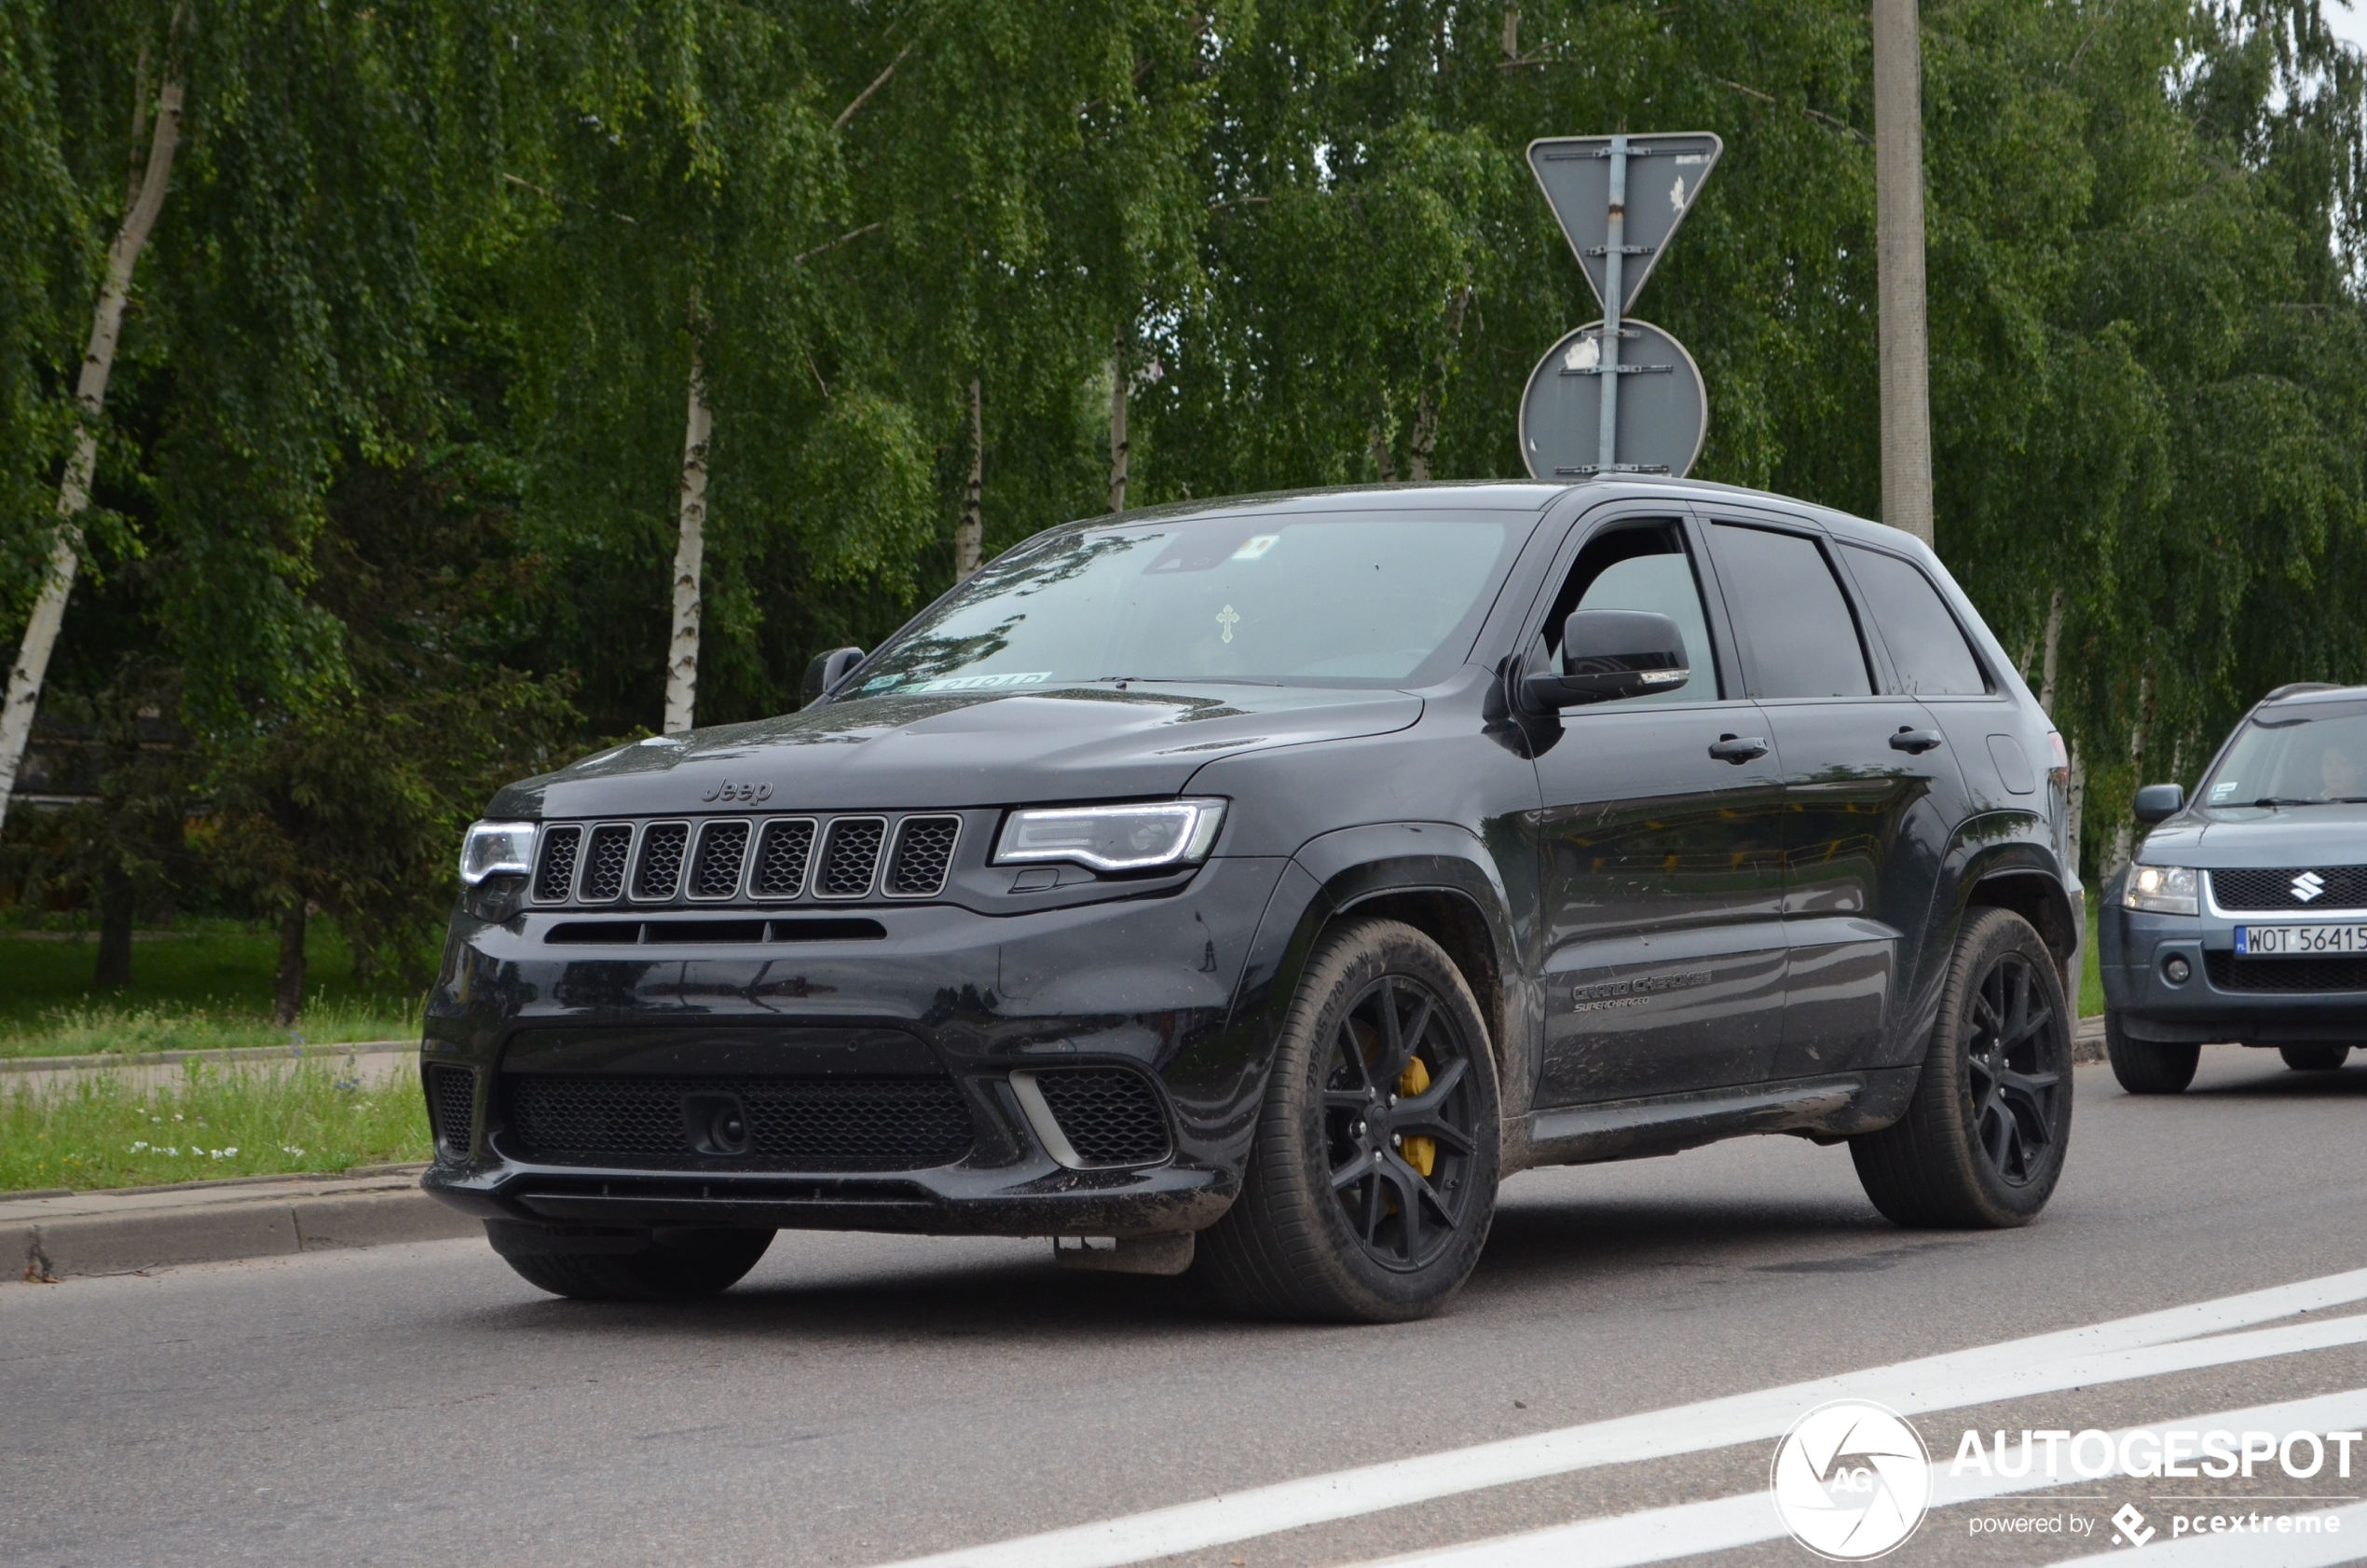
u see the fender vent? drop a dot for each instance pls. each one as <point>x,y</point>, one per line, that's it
<point>451,1103</point>
<point>1111,1116</point>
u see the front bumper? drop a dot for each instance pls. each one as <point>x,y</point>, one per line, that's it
<point>949,996</point>
<point>2263,1002</point>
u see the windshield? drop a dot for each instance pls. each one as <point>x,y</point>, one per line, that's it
<point>1339,598</point>
<point>2294,759</point>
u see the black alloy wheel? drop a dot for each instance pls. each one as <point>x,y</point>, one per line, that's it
<point>2017,1068</point>
<point>1982,1143</point>
<point>1371,1179</point>
<point>1399,1122</point>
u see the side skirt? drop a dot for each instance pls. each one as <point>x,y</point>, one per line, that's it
<point>1831,1107</point>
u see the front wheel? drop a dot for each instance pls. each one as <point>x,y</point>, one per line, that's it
<point>1982,1142</point>
<point>1372,1175</point>
<point>2314,1057</point>
<point>2147,1067</point>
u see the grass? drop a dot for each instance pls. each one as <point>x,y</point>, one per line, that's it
<point>205,984</point>
<point>103,1130</point>
<point>2091,979</point>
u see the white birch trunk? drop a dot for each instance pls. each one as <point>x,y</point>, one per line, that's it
<point>969,534</point>
<point>1118,423</point>
<point>73,490</point>
<point>2054,647</point>
<point>690,553</point>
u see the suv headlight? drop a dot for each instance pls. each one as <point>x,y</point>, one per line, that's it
<point>1161,832</point>
<point>2166,889</point>
<point>493,848</point>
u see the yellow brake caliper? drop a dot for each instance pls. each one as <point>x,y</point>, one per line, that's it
<point>1420,1149</point>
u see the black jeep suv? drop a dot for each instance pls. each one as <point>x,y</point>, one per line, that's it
<point>1266,879</point>
<point>2244,917</point>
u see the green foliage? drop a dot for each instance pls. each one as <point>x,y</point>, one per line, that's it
<point>111,1130</point>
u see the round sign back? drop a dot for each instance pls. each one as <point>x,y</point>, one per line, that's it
<point>1664,409</point>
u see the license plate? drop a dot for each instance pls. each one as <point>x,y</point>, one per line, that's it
<point>2299,941</point>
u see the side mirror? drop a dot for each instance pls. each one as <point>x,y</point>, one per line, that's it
<point>2159,803</point>
<point>1607,654</point>
<point>829,669</point>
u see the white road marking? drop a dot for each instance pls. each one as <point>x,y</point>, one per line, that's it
<point>2040,1364</point>
<point>1655,1535</point>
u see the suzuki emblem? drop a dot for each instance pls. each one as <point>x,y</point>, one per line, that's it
<point>2307,886</point>
<point>728,791</point>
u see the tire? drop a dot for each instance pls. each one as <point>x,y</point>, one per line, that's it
<point>2145,1067</point>
<point>1982,1142</point>
<point>2313,1056</point>
<point>675,1266</point>
<point>1320,1231</point>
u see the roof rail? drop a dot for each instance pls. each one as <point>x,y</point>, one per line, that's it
<point>2295,688</point>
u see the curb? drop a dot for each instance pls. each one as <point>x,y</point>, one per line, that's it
<point>2087,1040</point>
<point>132,1230</point>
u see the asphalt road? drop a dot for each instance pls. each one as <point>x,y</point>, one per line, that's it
<point>864,1400</point>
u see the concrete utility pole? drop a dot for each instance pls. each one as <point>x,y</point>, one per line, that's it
<point>1898,224</point>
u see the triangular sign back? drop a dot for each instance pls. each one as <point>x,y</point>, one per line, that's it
<point>1664,178</point>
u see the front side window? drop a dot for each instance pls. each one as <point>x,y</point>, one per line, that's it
<point>1791,614</point>
<point>1642,567</point>
<point>1926,645</point>
<point>1336,598</point>
<point>2284,758</point>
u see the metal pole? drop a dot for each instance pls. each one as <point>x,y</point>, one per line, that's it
<point>1614,289</point>
<point>1898,224</point>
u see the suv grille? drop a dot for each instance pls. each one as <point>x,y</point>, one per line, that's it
<point>555,878</point>
<point>2343,887</point>
<point>604,874</point>
<point>723,846</point>
<point>901,1124</point>
<point>660,867</point>
<point>781,857</point>
<point>451,1103</point>
<point>1111,1116</point>
<point>924,852</point>
<point>848,857</point>
<point>2334,972</point>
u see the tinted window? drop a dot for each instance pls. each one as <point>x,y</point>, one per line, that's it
<point>2304,755</point>
<point>1337,598</point>
<point>1792,615</point>
<point>1664,584</point>
<point>1925,644</point>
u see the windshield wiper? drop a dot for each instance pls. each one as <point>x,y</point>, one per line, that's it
<point>2320,801</point>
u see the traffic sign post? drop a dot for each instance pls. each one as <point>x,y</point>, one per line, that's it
<point>1609,195</point>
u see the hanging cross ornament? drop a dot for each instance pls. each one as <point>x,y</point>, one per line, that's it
<point>1228,618</point>
<point>1617,395</point>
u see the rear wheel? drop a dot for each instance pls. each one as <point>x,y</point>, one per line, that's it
<point>1982,1142</point>
<point>672,1265</point>
<point>1371,1178</point>
<point>2314,1057</point>
<point>2146,1067</point>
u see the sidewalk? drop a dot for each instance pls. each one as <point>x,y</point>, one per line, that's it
<point>131,1229</point>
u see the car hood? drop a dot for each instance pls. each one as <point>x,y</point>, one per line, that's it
<point>955,749</point>
<point>2271,836</point>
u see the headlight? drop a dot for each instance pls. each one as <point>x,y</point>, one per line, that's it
<point>492,847</point>
<point>1114,838</point>
<point>2166,889</point>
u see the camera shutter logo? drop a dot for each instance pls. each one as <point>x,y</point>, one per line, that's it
<point>1851,1480</point>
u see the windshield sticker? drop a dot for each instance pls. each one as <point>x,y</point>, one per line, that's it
<point>2222,790</point>
<point>1228,617</point>
<point>1257,546</point>
<point>982,683</point>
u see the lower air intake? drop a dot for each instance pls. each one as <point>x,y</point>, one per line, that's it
<point>905,1123</point>
<point>451,1103</point>
<point>2228,973</point>
<point>1111,1116</point>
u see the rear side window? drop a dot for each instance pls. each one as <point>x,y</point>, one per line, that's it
<point>1926,645</point>
<point>1792,615</point>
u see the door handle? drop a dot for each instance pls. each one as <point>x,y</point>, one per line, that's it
<point>1914,742</point>
<point>1738,749</point>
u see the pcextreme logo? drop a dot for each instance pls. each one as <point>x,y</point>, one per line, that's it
<point>1851,1480</point>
